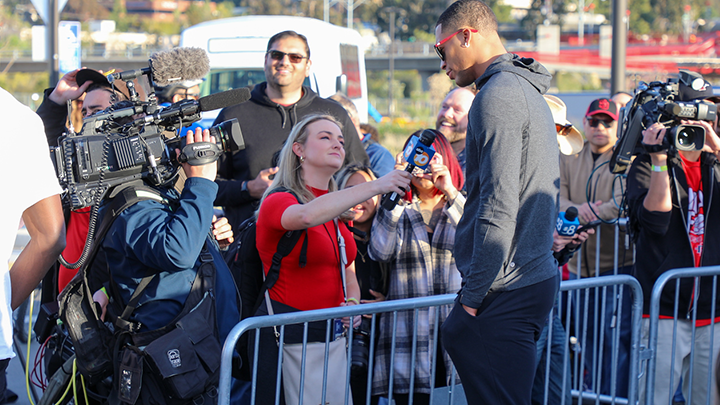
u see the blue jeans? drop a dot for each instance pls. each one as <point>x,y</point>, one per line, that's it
<point>559,375</point>
<point>613,327</point>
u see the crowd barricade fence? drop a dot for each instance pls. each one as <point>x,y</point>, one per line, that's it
<point>684,331</point>
<point>452,394</point>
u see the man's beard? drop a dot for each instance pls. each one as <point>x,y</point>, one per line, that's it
<point>453,133</point>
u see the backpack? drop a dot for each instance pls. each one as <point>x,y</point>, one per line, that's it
<point>176,364</point>
<point>247,270</point>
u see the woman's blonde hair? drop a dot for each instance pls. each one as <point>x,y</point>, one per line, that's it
<point>290,174</point>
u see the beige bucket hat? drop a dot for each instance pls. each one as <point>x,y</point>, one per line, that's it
<point>570,140</point>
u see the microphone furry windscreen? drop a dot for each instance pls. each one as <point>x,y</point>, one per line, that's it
<point>179,64</point>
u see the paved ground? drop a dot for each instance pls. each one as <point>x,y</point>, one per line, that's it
<point>16,373</point>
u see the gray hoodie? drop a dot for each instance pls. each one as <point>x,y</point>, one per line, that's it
<point>504,239</point>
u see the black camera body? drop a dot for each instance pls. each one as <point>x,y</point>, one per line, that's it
<point>134,140</point>
<point>657,102</point>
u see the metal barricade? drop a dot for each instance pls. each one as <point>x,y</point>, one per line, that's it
<point>689,343</point>
<point>304,317</point>
<point>452,394</point>
<point>578,343</point>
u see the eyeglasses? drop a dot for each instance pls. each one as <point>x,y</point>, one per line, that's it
<point>594,122</point>
<point>439,51</point>
<point>563,129</point>
<point>294,57</point>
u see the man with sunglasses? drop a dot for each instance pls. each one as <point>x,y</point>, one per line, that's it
<point>275,106</point>
<point>504,239</point>
<point>588,185</point>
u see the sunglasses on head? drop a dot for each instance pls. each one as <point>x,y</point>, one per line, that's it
<point>594,122</point>
<point>563,129</point>
<point>293,57</point>
<point>439,51</point>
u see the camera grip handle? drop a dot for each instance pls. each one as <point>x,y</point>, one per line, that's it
<point>200,153</point>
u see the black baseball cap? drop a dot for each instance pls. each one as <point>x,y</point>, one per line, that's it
<point>603,106</point>
<point>697,89</point>
<point>92,75</point>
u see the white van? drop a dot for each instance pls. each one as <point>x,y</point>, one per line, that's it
<point>236,48</point>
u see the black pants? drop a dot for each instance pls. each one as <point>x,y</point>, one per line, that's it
<point>3,379</point>
<point>494,352</point>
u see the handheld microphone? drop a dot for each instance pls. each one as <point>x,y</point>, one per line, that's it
<point>567,222</point>
<point>417,153</point>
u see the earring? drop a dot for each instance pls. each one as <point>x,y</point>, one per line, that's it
<point>465,45</point>
<point>302,159</point>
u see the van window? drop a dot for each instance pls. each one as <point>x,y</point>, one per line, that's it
<point>351,69</point>
<point>219,80</point>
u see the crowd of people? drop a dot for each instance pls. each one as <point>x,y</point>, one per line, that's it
<point>479,220</point>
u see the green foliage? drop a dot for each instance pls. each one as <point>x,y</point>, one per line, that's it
<point>160,27</point>
<point>422,36</point>
<point>24,82</point>
<point>568,82</point>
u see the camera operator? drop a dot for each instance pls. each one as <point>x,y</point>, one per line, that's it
<point>170,239</point>
<point>97,94</point>
<point>670,195</point>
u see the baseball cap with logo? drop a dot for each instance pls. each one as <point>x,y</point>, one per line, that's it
<point>603,106</point>
<point>694,88</point>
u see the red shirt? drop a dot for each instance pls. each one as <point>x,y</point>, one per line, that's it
<point>76,234</point>
<point>319,283</point>
<point>696,212</point>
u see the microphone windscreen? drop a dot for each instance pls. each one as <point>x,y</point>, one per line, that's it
<point>224,99</point>
<point>571,213</point>
<point>179,64</point>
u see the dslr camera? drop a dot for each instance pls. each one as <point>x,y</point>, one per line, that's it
<point>658,102</point>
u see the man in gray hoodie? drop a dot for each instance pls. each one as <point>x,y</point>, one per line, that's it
<point>504,239</point>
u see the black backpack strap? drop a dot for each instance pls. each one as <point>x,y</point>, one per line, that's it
<point>123,320</point>
<point>122,199</point>
<point>285,246</point>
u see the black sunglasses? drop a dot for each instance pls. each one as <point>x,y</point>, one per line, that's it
<point>294,57</point>
<point>594,122</point>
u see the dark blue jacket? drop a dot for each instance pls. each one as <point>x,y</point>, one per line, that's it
<point>151,237</point>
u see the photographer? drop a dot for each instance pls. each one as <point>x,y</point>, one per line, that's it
<point>171,240</point>
<point>670,195</point>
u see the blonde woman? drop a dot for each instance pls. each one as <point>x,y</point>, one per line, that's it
<point>304,196</point>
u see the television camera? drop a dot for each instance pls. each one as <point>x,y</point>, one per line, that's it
<point>658,102</point>
<point>135,139</point>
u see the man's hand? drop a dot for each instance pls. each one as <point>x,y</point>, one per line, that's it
<point>712,141</point>
<point>208,171</point>
<point>586,213</point>
<point>560,242</point>
<point>471,311</point>
<point>654,135</point>
<point>68,89</point>
<point>102,299</point>
<point>257,187</point>
<point>222,231</point>
<point>379,297</point>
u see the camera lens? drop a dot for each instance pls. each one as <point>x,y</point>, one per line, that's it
<point>360,352</point>
<point>688,137</point>
<point>228,135</point>
<point>684,138</point>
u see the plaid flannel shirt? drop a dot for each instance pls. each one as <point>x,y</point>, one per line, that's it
<point>418,268</point>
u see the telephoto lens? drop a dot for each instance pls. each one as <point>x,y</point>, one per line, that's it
<point>360,350</point>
